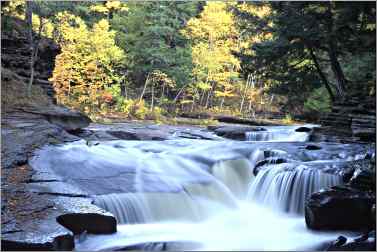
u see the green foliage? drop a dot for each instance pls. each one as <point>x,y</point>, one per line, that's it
<point>318,101</point>
<point>149,33</point>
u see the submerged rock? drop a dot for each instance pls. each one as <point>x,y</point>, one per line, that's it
<point>312,147</point>
<point>340,207</point>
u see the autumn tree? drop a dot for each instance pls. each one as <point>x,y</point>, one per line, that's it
<point>87,63</point>
<point>214,37</point>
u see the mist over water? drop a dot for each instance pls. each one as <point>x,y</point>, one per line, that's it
<point>203,195</point>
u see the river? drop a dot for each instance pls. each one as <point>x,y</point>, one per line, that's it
<point>188,194</point>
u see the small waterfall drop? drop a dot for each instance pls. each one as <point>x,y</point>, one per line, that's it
<point>286,188</point>
<point>277,135</point>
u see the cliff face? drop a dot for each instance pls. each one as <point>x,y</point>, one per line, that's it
<point>15,56</point>
<point>27,123</point>
<point>355,117</point>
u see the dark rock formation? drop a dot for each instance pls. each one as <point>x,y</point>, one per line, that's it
<point>92,223</point>
<point>312,147</point>
<point>355,115</point>
<point>272,160</point>
<point>363,179</point>
<point>15,55</point>
<point>340,207</point>
<point>303,129</point>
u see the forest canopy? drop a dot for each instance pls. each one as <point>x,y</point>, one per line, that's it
<point>243,58</point>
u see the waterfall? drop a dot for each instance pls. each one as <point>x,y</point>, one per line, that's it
<point>201,194</point>
<point>235,175</point>
<point>277,135</point>
<point>286,188</point>
<point>194,203</point>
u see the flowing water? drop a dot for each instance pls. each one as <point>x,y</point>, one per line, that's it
<point>203,195</point>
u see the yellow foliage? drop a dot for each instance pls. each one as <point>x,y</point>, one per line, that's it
<point>15,8</point>
<point>85,65</point>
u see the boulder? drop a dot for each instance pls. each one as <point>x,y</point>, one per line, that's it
<point>236,132</point>
<point>340,208</point>
<point>92,223</point>
<point>65,118</point>
<point>363,179</point>
<point>312,147</point>
<point>303,129</point>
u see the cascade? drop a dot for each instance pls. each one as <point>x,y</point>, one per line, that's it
<point>286,188</point>
<point>278,135</point>
<point>202,194</point>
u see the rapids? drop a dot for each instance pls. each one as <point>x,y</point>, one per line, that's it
<point>191,194</point>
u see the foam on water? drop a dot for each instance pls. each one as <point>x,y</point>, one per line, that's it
<point>277,134</point>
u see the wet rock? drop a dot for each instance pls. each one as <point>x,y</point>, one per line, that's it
<point>303,129</point>
<point>236,132</point>
<point>272,160</point>
<point>24,132</point>
<point>363,179</point>
<point>340,207</point>
<point>312,147</point>
<point>123,135</point>
<point>365,242</point>
<point>62,117</point>
<point>92,223</point>
<point>60,242</point>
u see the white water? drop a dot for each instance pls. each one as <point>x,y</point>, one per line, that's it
<point>201,195</point>
<point>277,134</point>
<point>286,188</point>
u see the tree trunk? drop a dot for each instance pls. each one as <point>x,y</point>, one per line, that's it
<point>332,51</point>
<point>245,92</point>
<point>321,74</point>
<point>338,72</point>
<point>28,19</point>
<point>152,99</point>
<point>145,87</point>
<point>222,103</point>
<point>193,100</point>
<point>179,92</point>
<point>209,95</point>
<point>123,88</point>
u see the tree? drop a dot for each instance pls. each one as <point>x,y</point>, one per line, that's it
<point>149,33</point>
<point>214,38</point>
<point>87,63</point>
<point>311,38</point>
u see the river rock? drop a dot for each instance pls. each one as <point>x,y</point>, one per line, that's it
<point>272,160</point>
<point>363,179</point>
<point>365,242</point>
<point>340,207</point>
<point>236,132</point>
<point>92,223</point>
<point>313,147</point>
<point>303,129</point>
